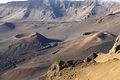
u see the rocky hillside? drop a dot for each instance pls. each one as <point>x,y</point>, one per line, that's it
<point>94,67</point>
<point>47,10</point>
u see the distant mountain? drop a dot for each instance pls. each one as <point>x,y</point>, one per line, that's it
<point>46,10</point>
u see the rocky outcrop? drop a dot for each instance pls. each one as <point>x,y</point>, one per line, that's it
<point>55,70</point>
<point>116,46</point>
<point>79,70</point>
<point>91,58</point>
<point>88,72</point>
<point>57,67</point>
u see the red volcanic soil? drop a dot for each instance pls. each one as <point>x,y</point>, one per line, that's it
<point>31,37</point>
<point>92,39</point>
<point>27,37</point>
<point>97,37</point>
<point>20,73</point>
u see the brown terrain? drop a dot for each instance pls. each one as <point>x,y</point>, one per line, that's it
<point>75,38</point>
<point>95,67</point>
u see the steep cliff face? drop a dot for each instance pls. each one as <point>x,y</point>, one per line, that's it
<point>46,10</point>
<point>51,9</point>
<point>12,10</point>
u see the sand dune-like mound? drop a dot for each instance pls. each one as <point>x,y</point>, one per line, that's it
<point>21,73</point>
<point>31,37</point>
<point>35,36</point>
<point>7,26</point>
<point>98,37</point>
<point>26,47</point>
<point>80,49</point>
<point>90,40</point>
<point>31,41</point>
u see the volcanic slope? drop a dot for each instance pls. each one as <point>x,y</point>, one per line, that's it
<point>24,47</point>
<point>103,66</point>
<point>94,42</point>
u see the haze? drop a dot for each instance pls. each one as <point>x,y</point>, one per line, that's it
<point>5,1</point>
